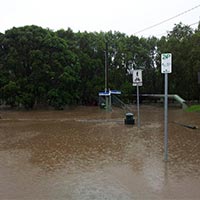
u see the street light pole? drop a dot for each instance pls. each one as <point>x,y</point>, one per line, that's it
<point>108,97</point>
<point>106,67</point>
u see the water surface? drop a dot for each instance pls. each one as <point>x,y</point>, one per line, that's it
<point>85,153</point>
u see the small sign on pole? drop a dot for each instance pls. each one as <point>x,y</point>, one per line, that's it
<point>137,81</point>
<point>166,68</point>
<point>137,77</point>
<point>166,63</point>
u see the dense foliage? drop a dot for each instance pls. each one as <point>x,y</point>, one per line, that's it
<point>42,67</point>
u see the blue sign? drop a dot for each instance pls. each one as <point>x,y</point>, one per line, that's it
<point>115,92</point>
<point>104,93</point>
<point>108,93</point>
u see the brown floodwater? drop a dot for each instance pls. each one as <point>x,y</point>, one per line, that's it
<point>85,153</point>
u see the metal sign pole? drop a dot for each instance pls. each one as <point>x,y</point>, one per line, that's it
<point>166,67</point>
<point>137,81</point>
<point>138,105</point>
<point>166,119</point>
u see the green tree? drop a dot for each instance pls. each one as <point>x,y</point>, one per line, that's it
<point>35,58</point>
<point>39,66</point>
<point>179,44</point>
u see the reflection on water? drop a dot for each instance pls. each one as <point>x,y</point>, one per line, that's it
<point>86,153</point>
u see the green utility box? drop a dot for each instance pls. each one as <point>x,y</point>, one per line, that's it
<point>129,118</point>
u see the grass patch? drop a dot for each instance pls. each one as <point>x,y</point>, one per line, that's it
<point>194,108</point>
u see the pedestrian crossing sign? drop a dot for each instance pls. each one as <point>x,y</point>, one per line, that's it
<point>137,77</point>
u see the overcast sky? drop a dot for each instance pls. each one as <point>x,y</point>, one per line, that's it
<point>126,16</point>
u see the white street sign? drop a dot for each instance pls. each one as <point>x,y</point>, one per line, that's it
<point>166,63</point>
<point>137,77</point>
<point>166,67</point>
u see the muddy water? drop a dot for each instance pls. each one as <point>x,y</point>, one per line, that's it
<point>85,153</point>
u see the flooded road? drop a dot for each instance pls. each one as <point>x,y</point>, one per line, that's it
<point>85,153</point>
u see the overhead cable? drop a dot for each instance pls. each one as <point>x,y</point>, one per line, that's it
<point>194,23</point>
<point>166,20</point>
<point>165,33</point>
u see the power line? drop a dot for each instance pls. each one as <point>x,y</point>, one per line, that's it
<point>188,25</point>
<point>166,20</point>
<point>194,23</point>
<point>165,33</point>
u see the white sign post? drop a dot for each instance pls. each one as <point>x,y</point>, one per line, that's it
<point>166,67</point>
<point>137,81</point>
<point>137,77</point>
<point>166,63</point>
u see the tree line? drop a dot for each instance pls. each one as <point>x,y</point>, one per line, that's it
<point>56,68</point>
